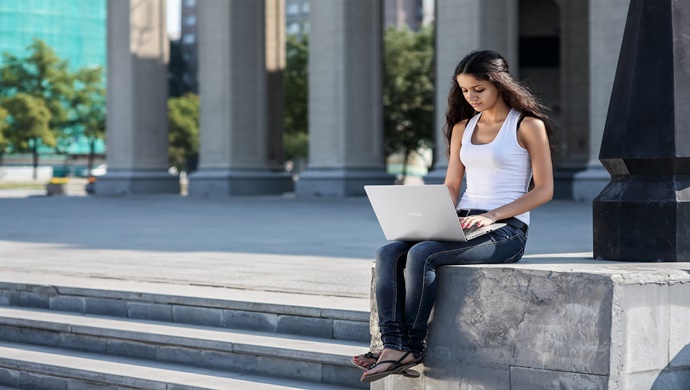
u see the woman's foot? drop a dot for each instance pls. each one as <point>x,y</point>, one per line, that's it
<point>389,355</point>
<point>364,360</point>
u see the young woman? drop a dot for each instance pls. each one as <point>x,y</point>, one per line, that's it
<point>499,135</point>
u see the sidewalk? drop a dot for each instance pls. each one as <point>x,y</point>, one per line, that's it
<point>276,244</point>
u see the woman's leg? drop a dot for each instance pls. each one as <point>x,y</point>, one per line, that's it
<point>504,245</point>
<point>390,293</point>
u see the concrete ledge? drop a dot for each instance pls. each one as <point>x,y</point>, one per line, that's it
<point>550,323</point>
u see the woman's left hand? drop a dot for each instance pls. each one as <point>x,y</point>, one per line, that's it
<point>476,220</point>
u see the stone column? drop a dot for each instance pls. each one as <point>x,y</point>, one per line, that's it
<point>573,132</point>
<point>345,107</point>
<point>463,26</point>
<point>607,22</point>
<point>643,214</point>
<point>233,82</point>
<point>137,136</point>
<point>275,68</point>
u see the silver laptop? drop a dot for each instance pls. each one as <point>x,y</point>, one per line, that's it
<point>420,213</point>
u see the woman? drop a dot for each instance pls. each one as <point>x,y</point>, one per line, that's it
<point>499,134</point>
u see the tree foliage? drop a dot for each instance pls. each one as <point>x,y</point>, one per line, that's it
<point>75,101</point>
<point>40,75</point>
<point>296,97</point>
<point>408,90</point>
<point>183,136</point>
<point>88,107</point>
<point>3,127</point>
<point>28,124</point>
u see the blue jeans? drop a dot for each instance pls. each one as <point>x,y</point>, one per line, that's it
<point>406,280</point>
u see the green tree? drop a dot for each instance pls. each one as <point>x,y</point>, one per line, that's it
<point>183,136</point>
<point>41,75</point>
<point>88,107</point>
<point>3,128</point>
<point>296,117</point>
<point>408,91</point>
<point>29,119</point>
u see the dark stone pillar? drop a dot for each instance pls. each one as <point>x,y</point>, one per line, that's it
<point>643,214</point>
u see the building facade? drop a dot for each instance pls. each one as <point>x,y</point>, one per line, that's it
<point>189,32</point>
<point>567,50</point>
<point>412,14</point>
<point>74,29</point>
<point>297,16</point>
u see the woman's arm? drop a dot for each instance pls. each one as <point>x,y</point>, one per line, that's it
<point>456,171</point>
<point>532,136</point>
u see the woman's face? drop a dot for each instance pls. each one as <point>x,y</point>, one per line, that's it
<point>480,94</point>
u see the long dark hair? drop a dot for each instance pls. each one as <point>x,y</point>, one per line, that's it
<point>490,66</point>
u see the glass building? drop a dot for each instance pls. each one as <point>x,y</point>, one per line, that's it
<point>74,29</point>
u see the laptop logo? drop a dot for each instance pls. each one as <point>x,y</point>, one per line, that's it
<point>414,214</point>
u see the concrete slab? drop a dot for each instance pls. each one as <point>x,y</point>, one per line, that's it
<point>136,332</point>
<point>76,366</point>
<point>280,244</point>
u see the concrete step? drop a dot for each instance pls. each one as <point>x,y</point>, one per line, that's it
<point>289,356</point>
<point>343,318</point>
<point>34,367</point>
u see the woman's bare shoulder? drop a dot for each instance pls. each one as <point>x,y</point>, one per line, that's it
<point>532,129</point>
<point>459,127</point>
<point>532,124</point>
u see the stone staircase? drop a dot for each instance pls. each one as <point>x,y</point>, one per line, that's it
<point>123,334</point>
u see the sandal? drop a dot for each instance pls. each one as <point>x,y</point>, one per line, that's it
<point>370,356</point>
<point>397,368</point>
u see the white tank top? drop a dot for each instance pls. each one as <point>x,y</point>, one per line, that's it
<point>497,173</point>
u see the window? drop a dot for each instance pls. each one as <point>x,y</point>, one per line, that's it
<point>189,3</point>
<point>293,9</point>
<point>190,20</point>
<point>293,28</point>
<point>305,8</point>
<point>189,39</point>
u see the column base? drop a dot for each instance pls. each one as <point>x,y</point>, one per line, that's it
<point>589,183</point>
<point>340,182</point>
<point>137,181</point>
<point>563,181</point>
<point>642,219</point>
<point>228,182</point>
<point>437,175</point>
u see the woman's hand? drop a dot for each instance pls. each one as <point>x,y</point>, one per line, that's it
<point>476,220</point>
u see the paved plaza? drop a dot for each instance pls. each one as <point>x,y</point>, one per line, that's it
<point>275,244</point>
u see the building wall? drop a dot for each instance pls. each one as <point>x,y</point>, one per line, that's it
<point>189,36</point>
<point>74,29</point>
<point>297,16</point>
<point>401,13</point>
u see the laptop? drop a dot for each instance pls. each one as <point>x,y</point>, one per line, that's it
<point>420,213</point>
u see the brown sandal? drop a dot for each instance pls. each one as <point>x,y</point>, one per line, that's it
<point>397,368</point>
<point>370,355</point>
